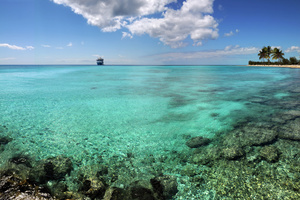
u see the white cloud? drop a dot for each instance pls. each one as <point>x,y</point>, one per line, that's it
<point>293,49</point>
<point>70,44</point>
<point>227,51</point>
<point>29,47</point>
<point>12,46</point>
<point>110,15</point>
<point>278,47</point>
<point>177,25</point>
<point>125,34</point>
<point>172,28</point>
<point>231,33</point>
<point>59,48</point>
<point>46,46</point>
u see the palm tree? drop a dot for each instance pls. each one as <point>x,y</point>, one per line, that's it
<point>277,54</point>
<point>262,54</point>
<point>268,50</point>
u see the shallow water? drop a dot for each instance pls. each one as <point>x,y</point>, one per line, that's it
<point>92,112</point>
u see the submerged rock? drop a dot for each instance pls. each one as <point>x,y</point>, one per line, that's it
<point>141,193</point>
<point>21,160</point>
<point>93,188</point>
<point>269,153</point>
<point>291,130</point>
<point>233,153</point>
<point>206,156</point>
<point>165,186</point>
<point>196,142</point>
<point>13,187</point>
<point>58,189</point>
<point>116,194</point>
<point>4,140</point>
<point>295,90</point>
<point>51,169</point>
<point>251,134</point>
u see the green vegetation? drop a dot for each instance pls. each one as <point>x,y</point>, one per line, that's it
<point>276,54</point>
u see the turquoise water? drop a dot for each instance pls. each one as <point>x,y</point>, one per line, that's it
<point>108,112</point>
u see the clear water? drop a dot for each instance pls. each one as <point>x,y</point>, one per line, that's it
<point>87,112</point>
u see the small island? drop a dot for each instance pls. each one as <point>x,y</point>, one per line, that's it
<point>275,54</point>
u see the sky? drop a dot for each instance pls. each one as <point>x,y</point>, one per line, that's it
<point>146,32</point>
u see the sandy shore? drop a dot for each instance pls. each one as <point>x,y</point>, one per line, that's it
<point>288,66</point>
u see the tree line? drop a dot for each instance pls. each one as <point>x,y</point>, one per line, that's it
<point>275,54</point>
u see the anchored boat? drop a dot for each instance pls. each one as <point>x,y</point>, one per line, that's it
<point>100,61</point>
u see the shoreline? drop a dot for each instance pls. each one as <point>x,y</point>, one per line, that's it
<point>285,66</point>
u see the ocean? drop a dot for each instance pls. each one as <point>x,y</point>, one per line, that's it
<point>126,126</point>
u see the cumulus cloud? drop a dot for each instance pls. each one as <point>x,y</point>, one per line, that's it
<point>176,25</point>
<point>70,44</point>
<point>172,27</point>
<point>293,49</point>
<point>110,15</point>
<point>227,51</point>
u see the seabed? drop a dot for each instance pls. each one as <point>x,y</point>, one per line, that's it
<point>149,132</point>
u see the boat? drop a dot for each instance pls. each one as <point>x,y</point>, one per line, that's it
<point>100,61</point>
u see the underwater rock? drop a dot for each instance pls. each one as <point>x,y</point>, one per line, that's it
<point>21,160</point>
<point>13,187</point>
<point>294,113</point>
<point>196,142</point>
<point>165,186</point>
<point>141,193</point>
<point>51,169</point>
<point>58,189</point>
<point>291,130</point>
<point>4,140</point>
<point>285,117</point>
<point>259,100</point>
<point>251,134</point>
<point>116,194</point>
<point>103,170</point>
<point>233,153</point>
<point>189,170</point>
<point>269,153</point>
<point>295,90</point>
<point>93,188</point>
<point>206,156</point>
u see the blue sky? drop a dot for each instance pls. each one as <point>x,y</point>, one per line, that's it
<point>153,32</point>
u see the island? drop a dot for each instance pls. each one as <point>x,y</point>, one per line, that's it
<point>275,54</point>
